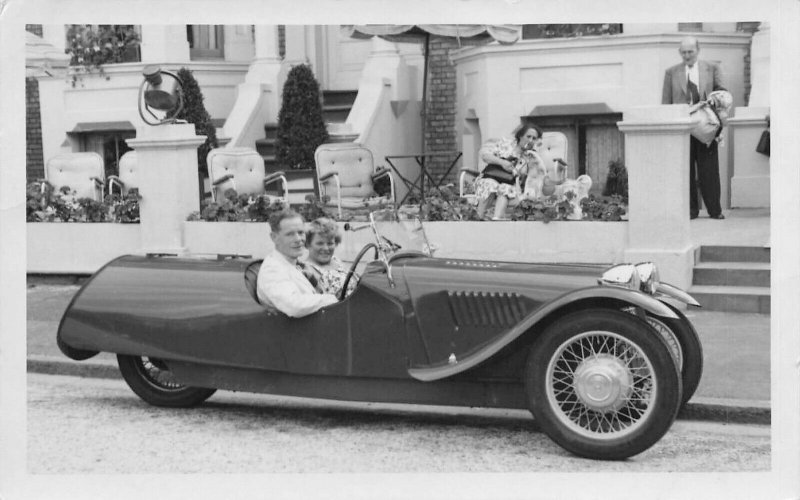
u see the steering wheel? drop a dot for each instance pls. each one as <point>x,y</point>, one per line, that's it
<point>352,270</point>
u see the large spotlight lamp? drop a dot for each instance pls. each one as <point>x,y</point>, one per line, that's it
<point>161,94</point>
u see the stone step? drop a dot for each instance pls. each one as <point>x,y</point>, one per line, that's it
<point>266,147</point>
<point>742,299</point>
<point>336,104</point>
<point>335,114</point>
<point>721,253</point>
<point>270,130</point>
<point>337,97</point>
<point>732,274</point>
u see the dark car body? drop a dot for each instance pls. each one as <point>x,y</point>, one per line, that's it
<point>199,311</point>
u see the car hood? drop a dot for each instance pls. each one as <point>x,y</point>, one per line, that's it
<point>502,276</point>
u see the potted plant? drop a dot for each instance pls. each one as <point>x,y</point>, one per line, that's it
<point>301,128</point>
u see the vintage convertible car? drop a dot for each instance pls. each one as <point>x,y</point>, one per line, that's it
<point>603,360</point>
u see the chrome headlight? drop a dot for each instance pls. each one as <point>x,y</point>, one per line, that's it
<point>624,275</point>
<point>648,275</point>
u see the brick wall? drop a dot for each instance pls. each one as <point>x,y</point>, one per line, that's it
<point>440,125</point>
<point>34,162</point>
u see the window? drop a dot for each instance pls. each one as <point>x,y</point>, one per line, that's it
<point>106,139</point>
<point>205,41</point>
<point>690,27</point>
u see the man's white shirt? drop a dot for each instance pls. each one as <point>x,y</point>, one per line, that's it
<point>284,287</point>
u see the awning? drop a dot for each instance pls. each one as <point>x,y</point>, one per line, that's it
<point>503,33</point>
<point>119,126</point>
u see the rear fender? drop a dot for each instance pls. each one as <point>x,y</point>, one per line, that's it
<point>68,350</point>
<point>478,356</point>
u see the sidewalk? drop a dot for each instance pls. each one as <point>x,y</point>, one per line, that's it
<point>735,385</point>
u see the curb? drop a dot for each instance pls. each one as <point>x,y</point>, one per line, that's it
<point>734,411</point>
<point>48,365</point>
<point>738,411</point>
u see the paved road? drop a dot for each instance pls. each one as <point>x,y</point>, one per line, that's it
<point>82,425</point>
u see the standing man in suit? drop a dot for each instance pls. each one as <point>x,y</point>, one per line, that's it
<point>691,82</point>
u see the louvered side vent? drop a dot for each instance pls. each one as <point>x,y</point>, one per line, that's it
<point>472,263</point>
<point>486,308</point>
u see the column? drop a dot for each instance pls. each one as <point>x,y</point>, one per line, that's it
<point>296,45</point>
<point>750,181</point>
<point>166,156</point>
<point>258,97</point>
<point>759,67</point>
<point>164,44</point>
<point>238,42</point>
<point>657,159</point>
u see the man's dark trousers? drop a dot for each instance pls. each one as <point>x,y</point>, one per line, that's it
<point>704,168</point>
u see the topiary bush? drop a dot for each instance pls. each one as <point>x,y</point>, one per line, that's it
<point>194,111</point>
<point>301,127</point>
<point>617,180</point>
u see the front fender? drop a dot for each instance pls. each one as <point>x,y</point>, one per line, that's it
<point>667,291</point>
<point>486,351</point>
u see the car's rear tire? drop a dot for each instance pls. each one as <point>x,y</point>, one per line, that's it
<point>602,384</point>
<point>152,381</point>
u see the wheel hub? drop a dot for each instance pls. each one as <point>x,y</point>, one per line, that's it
<point>603,383</point>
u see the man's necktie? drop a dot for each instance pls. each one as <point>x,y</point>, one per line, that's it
<point>308,274</point>
<point>694,95</point>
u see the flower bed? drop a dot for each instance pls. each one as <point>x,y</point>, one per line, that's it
<point>45,204</point>
<point>56,247</point>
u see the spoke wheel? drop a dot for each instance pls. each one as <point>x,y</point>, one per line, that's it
<point>152,380</point>
<point>602,384</point>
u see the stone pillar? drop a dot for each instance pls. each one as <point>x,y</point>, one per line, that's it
<point>238,42</point>
<point>296,45</point>
<point>759,67</point>
<point>258,98</point>
<point>750,181</point>
<point>164,44</point>
<point>167,160</point>
<point>657,158</point>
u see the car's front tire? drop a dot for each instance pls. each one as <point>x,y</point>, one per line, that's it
<point>602,384</point>
<point>152,381</point>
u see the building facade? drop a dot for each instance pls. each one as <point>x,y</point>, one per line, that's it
<point>578,79</point>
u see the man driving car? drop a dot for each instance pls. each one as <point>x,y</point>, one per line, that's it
<point>281,282</point>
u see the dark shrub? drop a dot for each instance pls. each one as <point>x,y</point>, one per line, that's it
<point>194,111</point>
<point>617,180</point>
<point>301,128</point>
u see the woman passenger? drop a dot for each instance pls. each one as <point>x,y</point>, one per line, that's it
<point>322,238</point>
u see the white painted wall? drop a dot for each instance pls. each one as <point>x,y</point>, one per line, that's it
<point>95,99</point>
